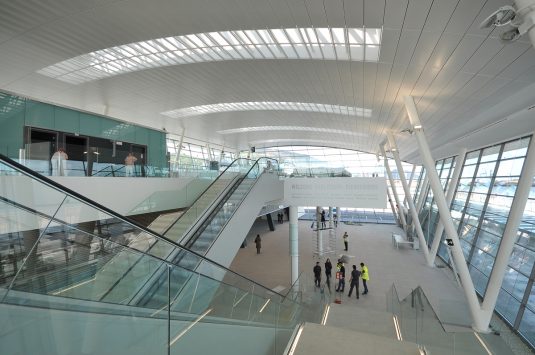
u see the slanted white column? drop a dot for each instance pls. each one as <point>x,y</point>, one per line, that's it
<point>179,149</point>
<point>393,187</point>
<point>412,208</point>
<point>338,216</point>
<point>294,244</point>
<point>331,227</point>
<point>410,182</point>
<point>449,197</point>
<point>422,197</point>
<point>319,239</point>
<point>445,217</point>
<point>509,234</point>
<point>394,212</point>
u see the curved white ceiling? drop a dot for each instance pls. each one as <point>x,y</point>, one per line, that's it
<point>350,44</point>
<point>268,106</point>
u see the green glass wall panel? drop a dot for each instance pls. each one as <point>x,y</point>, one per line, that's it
<point>39,114</point>
<point>127,133</point>
<point>89,126</point>
<point>11,124</point>
<point>17,112</point>
<point>142,135</point>
<point>157,149</point>
<point>66,120</point>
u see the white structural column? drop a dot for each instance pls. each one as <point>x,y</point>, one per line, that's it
<point>319,239</point>
<point>179,150</point>
<point>399,209</point>
<point>412,208</point>
<point>410,182</point>
<point>338,216</point>
<point>509,234</point>
<point>445,217</point>
<point>422,196</point>
<point>527,8</point>
<point>449,196</point>
<point>394,212</point>
<point>294,244</point>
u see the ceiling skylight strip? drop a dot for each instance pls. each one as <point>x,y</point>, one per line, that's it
<point>289,128</point>
<point>268,106</point>
<point>348,44</point>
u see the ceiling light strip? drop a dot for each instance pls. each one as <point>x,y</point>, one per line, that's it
<point>267,106</point>
<point>351,44</point>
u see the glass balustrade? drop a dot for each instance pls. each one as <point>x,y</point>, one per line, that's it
<point>73,269</point>
<point>415,321</point>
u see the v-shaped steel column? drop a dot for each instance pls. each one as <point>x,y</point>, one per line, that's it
<point>412,208</point>
<point>394,190</point>
<point>445,217</point>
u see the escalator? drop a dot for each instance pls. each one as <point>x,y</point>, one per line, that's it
<point>203,233</point>
<point>56,275</point>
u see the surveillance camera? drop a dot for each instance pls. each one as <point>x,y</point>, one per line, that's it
<point>501,17</point>
<point>511,35</point>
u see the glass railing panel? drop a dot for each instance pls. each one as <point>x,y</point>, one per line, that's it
<point>86,255</point>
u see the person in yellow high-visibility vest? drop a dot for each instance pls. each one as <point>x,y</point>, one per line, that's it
<point>365,277</point>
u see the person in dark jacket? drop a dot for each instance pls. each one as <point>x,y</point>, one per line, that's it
<point>317,274</point>
<point>328,268</point>
<point>258,242</point>
<point>355,275</point>
<point>342,280</point>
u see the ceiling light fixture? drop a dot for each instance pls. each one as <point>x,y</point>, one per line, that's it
<point>268,106</point>
<point>346,44</point>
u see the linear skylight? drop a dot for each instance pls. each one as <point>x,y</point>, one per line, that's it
<point>347,44</point>
<point>289,128</point>
<point>268,106</point>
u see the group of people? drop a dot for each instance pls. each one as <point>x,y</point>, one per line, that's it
<point>280,217</point>
<point>341,274</point>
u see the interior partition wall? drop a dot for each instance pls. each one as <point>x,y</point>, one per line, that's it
<point>480,209</point>
<point>18,113</point>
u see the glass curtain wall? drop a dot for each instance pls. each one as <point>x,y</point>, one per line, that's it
<point>480,210</point>
<point>196,158</point>
<point>308,161</point>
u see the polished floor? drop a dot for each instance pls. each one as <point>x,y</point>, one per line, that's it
<point>371,244</point>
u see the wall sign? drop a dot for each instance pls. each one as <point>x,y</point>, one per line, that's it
<point>356,192</point>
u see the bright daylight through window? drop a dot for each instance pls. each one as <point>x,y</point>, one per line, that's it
<point>350,44</point>
<point>268,106</point>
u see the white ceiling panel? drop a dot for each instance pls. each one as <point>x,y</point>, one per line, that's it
<point>431,49</point>
<point>464,15</point>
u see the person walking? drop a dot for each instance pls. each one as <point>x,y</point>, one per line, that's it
<point>355,276</point>
<point>365,277</point>
<point>342,275</point>
<point>323,219</point>
<point>346,244</point>
<point>328,268</point>
<point>258,242</point>
<point>317,274</point>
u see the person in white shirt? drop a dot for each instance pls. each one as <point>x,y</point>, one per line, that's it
<point>129,163</point>
<point>59,162</point>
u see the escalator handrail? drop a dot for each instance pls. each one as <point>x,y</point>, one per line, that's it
<point>201,194</point>
<point>46,181</point>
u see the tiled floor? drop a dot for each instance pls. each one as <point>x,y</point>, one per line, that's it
<point>368,243</point>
